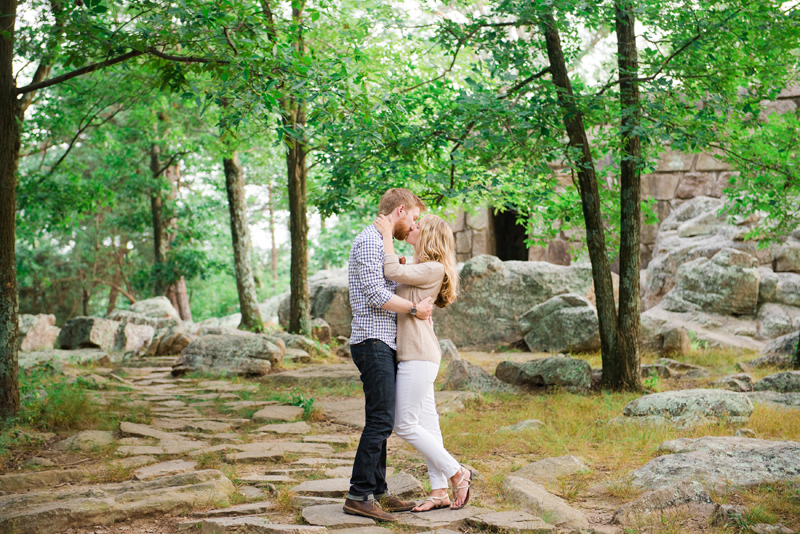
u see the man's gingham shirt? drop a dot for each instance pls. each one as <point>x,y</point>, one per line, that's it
<point>369,290</point>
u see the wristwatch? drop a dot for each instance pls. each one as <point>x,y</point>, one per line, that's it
<point>413,310</point>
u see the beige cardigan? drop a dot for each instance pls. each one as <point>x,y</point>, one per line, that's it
<point>415,337</point>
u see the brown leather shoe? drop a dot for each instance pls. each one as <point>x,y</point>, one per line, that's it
<point>392,503</point>
<point>369,509</point>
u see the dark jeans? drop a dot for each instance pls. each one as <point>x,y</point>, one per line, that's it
<point>375,361</point>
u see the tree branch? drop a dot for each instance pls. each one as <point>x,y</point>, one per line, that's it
<point>169,163</point>
<point>78,72</point>
<point>115,286</point>
<point>524,82</point>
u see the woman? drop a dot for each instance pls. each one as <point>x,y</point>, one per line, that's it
<point>434,275</point>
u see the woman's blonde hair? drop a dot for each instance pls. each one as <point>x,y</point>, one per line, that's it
<point>436,243</point>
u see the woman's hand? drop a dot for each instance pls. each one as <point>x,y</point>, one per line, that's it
<point>384,225</point>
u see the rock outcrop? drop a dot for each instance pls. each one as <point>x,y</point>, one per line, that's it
<point>330,300</point>
<point>37,332</point>
<point>248,355</point>
<point>88,333</point>
<point>785,382</point>
<point>564,323</point>
<point>465,376</point>
<point>570,373</point>
<point>688,407</point>
<point>720,462</point>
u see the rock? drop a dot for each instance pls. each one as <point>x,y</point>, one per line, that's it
<point>744,433</point>
<point>511,522</point>
<point>690,407</point>
<point>278,413</point>
<point>658,369</point>
<point>465,376</point>
<point>785,382</point>
<point>170,341</point>
<point>253,525</point>
<point>676,342</point>
<point>767,528</point>
<point>330,438</point>
<point>695,184</point>
<point>533,497</point>
<point>772,397</point>
<point>449,350</point>
<point>296,356</point>
<point>564,323</point>
<point>127,316</point>
<point>88,332</point>
<point>494,293</point>
<point>573,374</point>
<point>677,245</point>
<point>527,424</point>
<point>684,493</point>
<point>329,297</point>
<point>304,501</point>
<point>548,470</point>
<point>88,440</point>
<point>333,516</point>
<point>294,341</point>
<point>775,320</point>
<point>405,486</point>
<point>316,376</point>
<point>444,518</point>
<point>238,355</point>
<point>38,461</point>
<point>79,356</point>
<point>251,492</point>
<point>740,382</point>
<point>783,346</point>
<point>239,509</point>
<point>136,429</point>
<point>321,330</point>
<point>683,368</point>
<point>726,284</point>
<point>300,427</point>
<point>53,511</point>
<point>720,462</point>
<point>133,337</point>
<point>157,307</point>
<point>329,487</point>
<point>788,258</point>
<point>343,350</point>
<point>19,482</point>
<point>367,530</point>
<point>37,332</point>
<point>173,467</point>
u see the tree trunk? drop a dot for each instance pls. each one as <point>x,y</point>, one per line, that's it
<point>295,117</point>
<point>159,235</point>
<point>623,372</point>
<point>179,297</point>
<point>10,146</point>
<point>590,196</point>
<point>240,235</point>
<point>300,314</point>
<point>274,252</point>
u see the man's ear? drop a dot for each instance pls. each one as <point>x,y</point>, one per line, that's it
<point>401,209</point>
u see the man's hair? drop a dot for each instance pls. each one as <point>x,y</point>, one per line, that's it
<point>395,197</point>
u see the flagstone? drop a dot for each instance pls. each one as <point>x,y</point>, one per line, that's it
<point>301,427</point>
<point>172,467</point>
<point>172,404</point>
<point>215,448</point>
<point>238,405</point>
<point>321,461</point>
<point>513,521</point>
<point>256,455</point>
<point>214,396</point>
<point>278,413</point>
<point>326,438</point>
<point>138,429</point>
<point>265,479</point>
<point>332,515</point>
<point>443,518</point>
<point>329,487</point>
<point>252,524</point>
<point>304,501</point>
<point>240,509</point>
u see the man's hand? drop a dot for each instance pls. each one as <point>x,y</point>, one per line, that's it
<point>424,309</point>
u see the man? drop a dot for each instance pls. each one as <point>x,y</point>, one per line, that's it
<point>373,345</point>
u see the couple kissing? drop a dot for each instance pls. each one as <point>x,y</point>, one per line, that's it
<point>397,354</point>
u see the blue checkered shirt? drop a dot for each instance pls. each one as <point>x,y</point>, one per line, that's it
<point>369,290</point>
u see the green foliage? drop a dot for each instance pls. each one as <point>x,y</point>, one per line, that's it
<point>653,381</point>
<point>297,398</point>
<point>55,403</point>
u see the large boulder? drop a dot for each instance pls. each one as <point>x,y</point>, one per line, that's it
<point>37,332</point>
<point>775,320</point>
<point>78,356</point>
<point>157,307</point>
<point>564,323</point>
<point>296,341</point>
<point>782,348</point>
<point>785,382</point>
<point>268,309</point>
<point>128,316</point>
<point>689,407</point>
<point>570,373</point>
<point>133,337</point>
<point>721,462</point>
<point>495,293</point>
<point>88,333</point>
<point>330,300</point>
<point>465,376</point>
<point>726,284</point>
<point>169,341</point>
<point>238,355</point>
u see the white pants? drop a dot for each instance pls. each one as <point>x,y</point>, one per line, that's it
<point>417,422</point>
